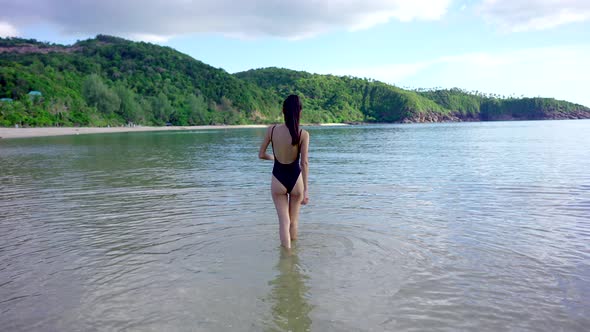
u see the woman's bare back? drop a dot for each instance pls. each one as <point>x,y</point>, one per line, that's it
<point>284,151</point>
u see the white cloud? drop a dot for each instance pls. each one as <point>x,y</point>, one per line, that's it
<point>558,72</point>
<point>156,19</point>
<point>527,15</point>
<point>149,38</point>
<point>7,30</point>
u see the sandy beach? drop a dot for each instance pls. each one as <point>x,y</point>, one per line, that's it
<point>62,131</point>
<point>6,133</point>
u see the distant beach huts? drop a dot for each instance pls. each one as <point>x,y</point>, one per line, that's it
<point>32,94</point>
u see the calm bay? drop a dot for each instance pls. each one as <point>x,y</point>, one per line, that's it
<point>450,226</point>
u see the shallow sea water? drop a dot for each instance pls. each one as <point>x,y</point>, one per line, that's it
<point>463,226</point>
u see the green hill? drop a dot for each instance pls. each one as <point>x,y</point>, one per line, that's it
<point>112,81</point>
<point>347,99</point>
<point>108,80</point>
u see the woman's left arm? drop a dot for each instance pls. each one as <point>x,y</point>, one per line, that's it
<point>262,153</point>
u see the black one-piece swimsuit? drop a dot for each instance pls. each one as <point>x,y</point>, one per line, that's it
<point>287,174</point>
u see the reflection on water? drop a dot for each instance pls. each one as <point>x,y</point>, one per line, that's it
<point>290,309</point>
<point>473,226</point>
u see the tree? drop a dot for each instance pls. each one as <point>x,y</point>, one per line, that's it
<point>162,109</point>
<point>98,95</point>
<point>197,110</point>
<point>129,109</point>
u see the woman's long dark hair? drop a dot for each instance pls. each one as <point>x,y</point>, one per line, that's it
<point>291,111</point>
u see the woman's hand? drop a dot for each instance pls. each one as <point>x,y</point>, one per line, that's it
<point>305,198</point>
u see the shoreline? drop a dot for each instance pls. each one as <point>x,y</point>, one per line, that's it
<point>11,133</point>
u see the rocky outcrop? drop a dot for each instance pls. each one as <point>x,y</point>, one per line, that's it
<point>431,117</point>
<point>428,117</point>
<point>28,48</point>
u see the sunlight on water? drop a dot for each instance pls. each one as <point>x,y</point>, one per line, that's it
<point>479,226</point>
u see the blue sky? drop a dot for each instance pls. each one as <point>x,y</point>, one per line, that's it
<point>509,47</point>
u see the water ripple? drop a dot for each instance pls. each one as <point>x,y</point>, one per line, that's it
<point>433,227</point>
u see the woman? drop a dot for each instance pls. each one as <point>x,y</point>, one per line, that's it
<point>289,180</point>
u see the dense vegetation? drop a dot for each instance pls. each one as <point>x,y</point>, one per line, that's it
<point>347,99</point>
<point>112,81</point>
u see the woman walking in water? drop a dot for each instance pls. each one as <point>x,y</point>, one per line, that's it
<point>289,180</point>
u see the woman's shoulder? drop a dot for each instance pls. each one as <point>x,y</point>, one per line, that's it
<point>304,136</point>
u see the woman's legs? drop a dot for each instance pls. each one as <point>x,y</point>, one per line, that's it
<point>294,204</point>
<point>279,197</point>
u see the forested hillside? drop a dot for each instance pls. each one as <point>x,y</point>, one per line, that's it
<point>112,81</point>
<point>349,99</point>
<point>108,80</point>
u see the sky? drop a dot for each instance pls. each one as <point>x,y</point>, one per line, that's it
<point>508,47</point>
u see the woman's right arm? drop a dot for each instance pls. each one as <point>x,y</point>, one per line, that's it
<point>305,165</point>
<point>262,152</point>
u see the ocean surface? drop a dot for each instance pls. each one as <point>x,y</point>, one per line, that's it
<point>417,227</point>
